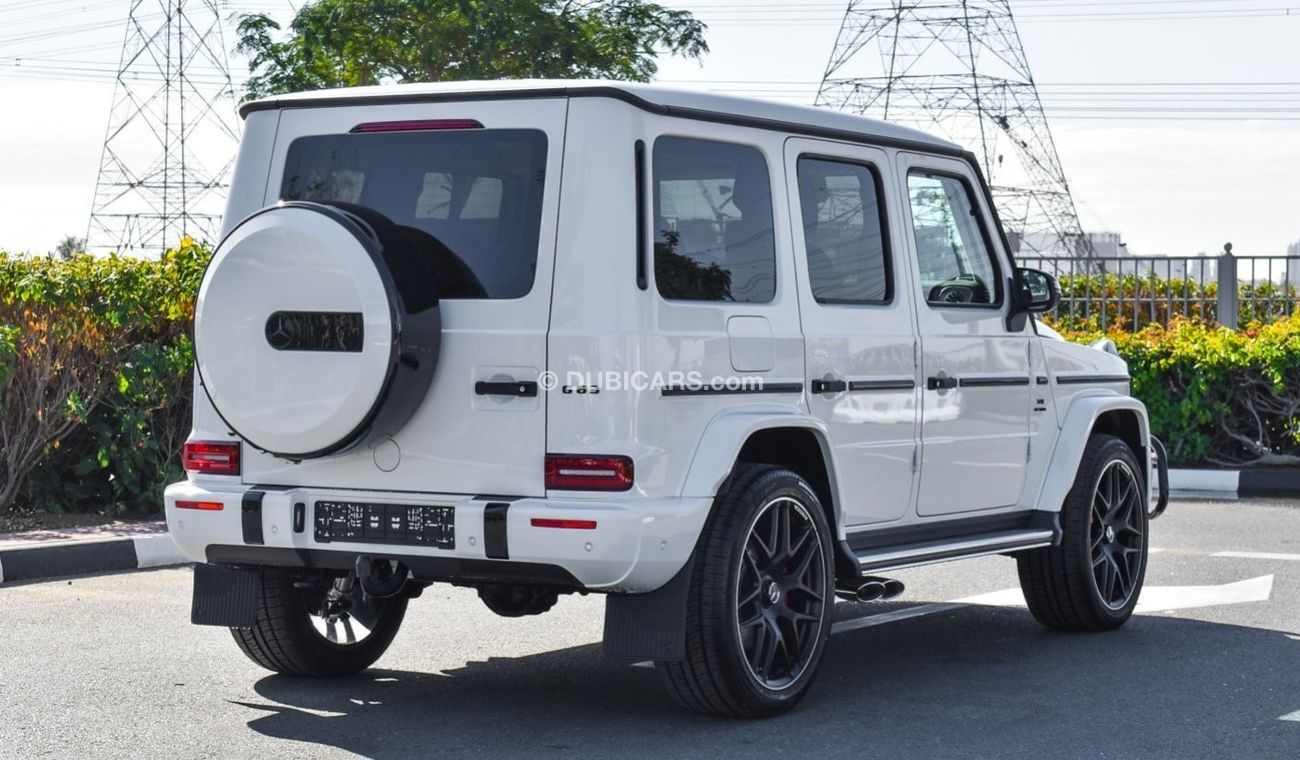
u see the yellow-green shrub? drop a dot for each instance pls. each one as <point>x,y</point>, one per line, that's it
<point>97,399</point>
<point>1218,396</point>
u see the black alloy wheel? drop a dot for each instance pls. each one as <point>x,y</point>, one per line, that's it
<point>1115,531</point>
<point>778,591</point>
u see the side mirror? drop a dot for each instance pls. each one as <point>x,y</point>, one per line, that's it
<point>1039,291</point>
<point>1032,292</point>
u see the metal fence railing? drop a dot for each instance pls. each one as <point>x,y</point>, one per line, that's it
<point>1131,292</point>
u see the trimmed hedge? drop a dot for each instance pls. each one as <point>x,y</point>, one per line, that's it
<point>1131,302</point>
<point>1218,396</point>
<point>96,362</point>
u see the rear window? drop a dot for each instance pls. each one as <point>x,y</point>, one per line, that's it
<point>478,192</point>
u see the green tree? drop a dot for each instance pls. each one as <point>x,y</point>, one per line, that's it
<point>70,246</point>
<point>341,43</point>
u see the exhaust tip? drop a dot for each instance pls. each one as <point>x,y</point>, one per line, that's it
<point>893,589</point>
<point>870,591</point>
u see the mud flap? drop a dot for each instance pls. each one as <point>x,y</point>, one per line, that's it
<point>649,626</point>
<point>225,596</point>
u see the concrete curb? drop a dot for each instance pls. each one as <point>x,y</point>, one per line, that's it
<point>1239,482</point>
<point>78,557</point>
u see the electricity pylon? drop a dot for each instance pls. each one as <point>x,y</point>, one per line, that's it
<point>957,68</point>
<point>172,130</point>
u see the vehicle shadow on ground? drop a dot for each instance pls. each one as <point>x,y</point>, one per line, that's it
<point>972,682</point>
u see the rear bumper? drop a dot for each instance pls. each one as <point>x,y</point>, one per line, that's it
<point>636,546</point>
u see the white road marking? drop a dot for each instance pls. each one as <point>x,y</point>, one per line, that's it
<point>1293,717</point>
<point>1161,598</point>
<point>894,616</point>
<point>1259,555</point>
<point>1154,599</point>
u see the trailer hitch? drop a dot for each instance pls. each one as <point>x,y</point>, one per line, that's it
<point>380,578</point>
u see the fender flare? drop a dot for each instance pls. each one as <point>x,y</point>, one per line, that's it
<point>1076,427</point>
<point>726,434</point>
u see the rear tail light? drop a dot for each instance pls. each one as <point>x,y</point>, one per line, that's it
<point>211,457</point>
<point>206,506</point>
<point>571,472</point>
<point>416,125</point>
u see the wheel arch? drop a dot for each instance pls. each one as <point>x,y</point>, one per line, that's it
<point>1121,416</point>
<point>798,442</point>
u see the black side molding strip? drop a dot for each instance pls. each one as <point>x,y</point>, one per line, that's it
<point>708,390</point>
<point>1086,379</point>
<point>991,382</point>
<point>642,250</point>
<point>882,385</point>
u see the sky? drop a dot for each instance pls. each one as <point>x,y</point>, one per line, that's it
<point>1219,161</point>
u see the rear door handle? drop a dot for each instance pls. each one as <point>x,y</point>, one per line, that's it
<point>941,383</point>
<point>522,388</point>
<point>828,386</point>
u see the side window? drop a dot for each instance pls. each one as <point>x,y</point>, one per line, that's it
<point>713,222</point>
<point>843,224</point>
<point>957,267</point>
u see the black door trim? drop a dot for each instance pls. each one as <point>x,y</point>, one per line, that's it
<point>882,385</point>
<point>992,382</point>
<point>1086,379</point>
<point>708,390</point>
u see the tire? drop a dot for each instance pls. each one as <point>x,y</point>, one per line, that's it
<point>284,638</point>
<point>1091,581</point>
<point>739,599</point>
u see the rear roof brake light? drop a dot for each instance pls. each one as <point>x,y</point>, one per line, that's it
<point>416,125</point>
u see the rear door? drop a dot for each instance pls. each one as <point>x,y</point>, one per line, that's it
<point>975,408</point>
<point>859,330</point>
<point>482,178</point>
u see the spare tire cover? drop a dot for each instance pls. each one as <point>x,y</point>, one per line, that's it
<point>305,341</point>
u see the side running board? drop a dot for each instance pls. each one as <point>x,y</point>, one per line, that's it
<point>876,560</point>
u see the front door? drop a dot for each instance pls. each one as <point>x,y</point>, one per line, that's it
<point>975,407</point>
<point>859,332</point>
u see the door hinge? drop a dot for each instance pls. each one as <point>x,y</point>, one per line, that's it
<point>915,458</point>
<point>916,354</point>
<point>1029,450</point>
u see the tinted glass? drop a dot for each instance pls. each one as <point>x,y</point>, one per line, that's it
<point>478,192</point>
<point>842,228</point>
<point>956,265</point>
<point>713,222</point>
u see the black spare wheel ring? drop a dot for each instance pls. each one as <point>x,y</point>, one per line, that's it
<point>317,328</point>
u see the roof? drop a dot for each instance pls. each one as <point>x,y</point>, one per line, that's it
<point>689,103</point>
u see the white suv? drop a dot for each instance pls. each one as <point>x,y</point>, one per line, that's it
<point>719,359</point>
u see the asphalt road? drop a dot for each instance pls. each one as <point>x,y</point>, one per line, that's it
<point>109,666</point>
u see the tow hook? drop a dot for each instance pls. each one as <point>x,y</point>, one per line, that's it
<point>380,578</point>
